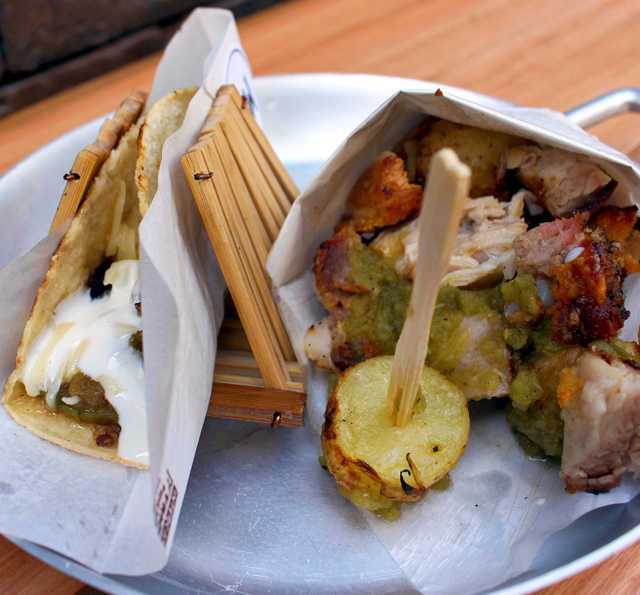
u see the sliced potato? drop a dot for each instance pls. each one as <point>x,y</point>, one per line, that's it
<point>375,463</point>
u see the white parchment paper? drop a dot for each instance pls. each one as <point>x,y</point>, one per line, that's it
<point>113,518</point>
<point>487,527</point>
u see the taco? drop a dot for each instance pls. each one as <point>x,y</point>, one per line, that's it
<point>79,377</point>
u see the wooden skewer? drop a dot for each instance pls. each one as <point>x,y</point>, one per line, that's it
<point>445,194</point>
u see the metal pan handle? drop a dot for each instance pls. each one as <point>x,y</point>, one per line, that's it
<point>604,107</point>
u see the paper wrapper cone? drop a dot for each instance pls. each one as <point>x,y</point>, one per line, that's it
<point>112,518</point>
<point>489,525</point>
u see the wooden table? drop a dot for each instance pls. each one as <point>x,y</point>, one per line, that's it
<point>541,53</point>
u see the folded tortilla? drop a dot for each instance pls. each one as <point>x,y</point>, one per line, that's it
<point>84,247</point>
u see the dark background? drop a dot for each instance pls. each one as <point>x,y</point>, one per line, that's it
<point>49,45</point>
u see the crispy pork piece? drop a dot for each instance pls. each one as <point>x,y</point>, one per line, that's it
<point>588,292</point>
<point>333,280</point>
<point>484,249</point>
<point>564,183</point>
<point>548,243</point>
<point>484,151</point>
<point>618,225</point>
<point>601,417</point>
<point>382,195</point>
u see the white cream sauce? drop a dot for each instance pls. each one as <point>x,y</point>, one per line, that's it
<point>92,337</point>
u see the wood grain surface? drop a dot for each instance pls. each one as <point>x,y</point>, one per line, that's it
<point>541,53</point>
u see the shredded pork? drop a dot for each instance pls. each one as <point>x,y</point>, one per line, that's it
<point>484,249</point>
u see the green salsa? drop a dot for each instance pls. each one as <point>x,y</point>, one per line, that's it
<point>469,340</point>
<point>490,342</point>
<point>377,316</point>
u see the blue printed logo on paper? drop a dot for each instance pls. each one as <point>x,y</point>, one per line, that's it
<point>239,74</point>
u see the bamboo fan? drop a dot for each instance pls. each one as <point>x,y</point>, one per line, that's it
<point>244,193</point>
<point>88,162</point>
<point>445,194</point>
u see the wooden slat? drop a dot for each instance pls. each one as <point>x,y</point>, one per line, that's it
<point>256,404</point>
<point>88,161</point>
<point>233,263</point>
<point>243,363</point>
<point>247,229</point>
<point>244,121</point>
<point>271,219</point>
<point>276,165</point>
<point>86,167</point>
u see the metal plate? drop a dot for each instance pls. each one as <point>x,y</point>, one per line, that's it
<point>260,515</point>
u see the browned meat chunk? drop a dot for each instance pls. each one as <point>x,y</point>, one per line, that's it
<point>616,222</point>
<point>618,225</point>
<point>382,196</point>
<point>564,183</point>
<point>484,151</point>
<point>537,248</point>
<point>588,292</point>
<point>334,284</point>
<point>601,424</point>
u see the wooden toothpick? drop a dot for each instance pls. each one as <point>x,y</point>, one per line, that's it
<point>445,193</point>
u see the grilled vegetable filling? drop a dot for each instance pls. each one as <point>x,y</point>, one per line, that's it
<point>83,398</point>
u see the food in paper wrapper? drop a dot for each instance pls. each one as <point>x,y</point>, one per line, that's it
<point>532,302</point>
<point>79,377</point>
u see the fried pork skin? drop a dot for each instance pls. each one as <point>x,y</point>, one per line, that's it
<point>382,195</point>
<point>564,183</point>
<point>602,422</point>
<point>619,226</point>
<point>588,292</point>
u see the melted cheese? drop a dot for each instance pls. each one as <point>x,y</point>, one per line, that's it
<point>92,336</point>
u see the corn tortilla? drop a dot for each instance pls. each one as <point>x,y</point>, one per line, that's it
<point>162,120</point>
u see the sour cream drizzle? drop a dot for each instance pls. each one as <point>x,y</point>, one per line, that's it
<point>92,336</point>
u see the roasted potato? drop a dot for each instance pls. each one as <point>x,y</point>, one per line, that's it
<point>376,463</point>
